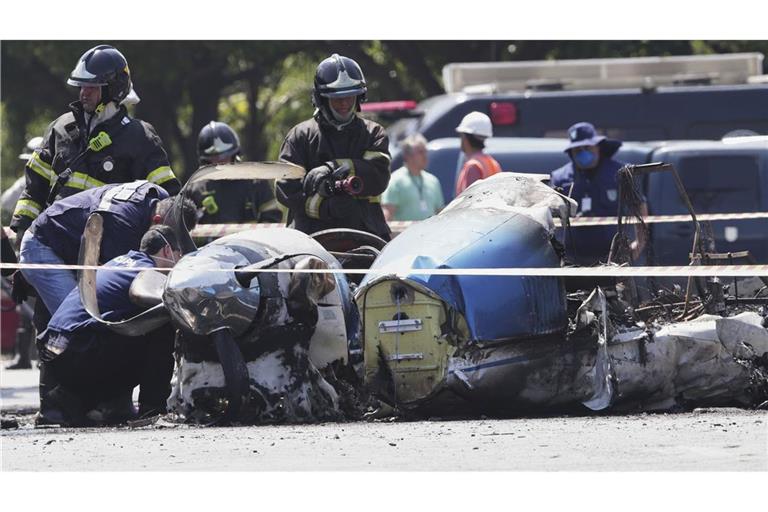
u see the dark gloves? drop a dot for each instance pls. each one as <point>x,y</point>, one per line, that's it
<point>20,288</point>
<point>315,178</point>
<point>7,254</point>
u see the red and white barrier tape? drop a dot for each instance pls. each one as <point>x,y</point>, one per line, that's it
<point>217,230</point>
<point>607,271</point>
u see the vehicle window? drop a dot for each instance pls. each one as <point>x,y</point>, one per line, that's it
<point>721,184</point>
<point>719,130</point>
<point>623,134</point>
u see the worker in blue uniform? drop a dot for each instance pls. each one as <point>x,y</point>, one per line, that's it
<point>128,209</point>
<point>96,368</point>
<point>590,178</point>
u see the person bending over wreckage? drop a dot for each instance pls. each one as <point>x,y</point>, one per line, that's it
<point>97,368</point>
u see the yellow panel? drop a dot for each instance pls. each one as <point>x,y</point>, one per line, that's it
<point>417,358</point>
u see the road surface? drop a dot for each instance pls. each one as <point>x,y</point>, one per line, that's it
<point>703,440</point>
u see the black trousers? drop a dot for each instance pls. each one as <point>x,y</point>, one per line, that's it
<point>115,364</point>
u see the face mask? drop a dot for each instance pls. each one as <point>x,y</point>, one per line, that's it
<point>173,261</point>
<point>167,244</point>
<point>585,159</point>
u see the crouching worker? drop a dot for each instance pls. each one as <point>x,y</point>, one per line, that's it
<point>96,368</point>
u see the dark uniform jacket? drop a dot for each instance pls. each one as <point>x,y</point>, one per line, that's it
<point>127,210</point>
<point>363,146</point>
<point>76,326</point>
<point>95,363</point>
<point>235,201</point>
<point>135,153</point>
<point>596,193</point>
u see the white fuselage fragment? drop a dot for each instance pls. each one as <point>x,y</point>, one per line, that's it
<point>700,362</point>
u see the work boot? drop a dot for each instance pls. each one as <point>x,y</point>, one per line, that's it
<point>25,334</point>
<point>22,360</point>
<point>62,407</point>
<point>20,363</point>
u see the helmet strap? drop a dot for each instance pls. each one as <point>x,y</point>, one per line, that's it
<point>104,95</point>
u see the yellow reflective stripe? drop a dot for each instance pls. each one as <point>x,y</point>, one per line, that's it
<point>350,163</point>
<point>27,208</point>
<point>40,167</point>
<point>269,205</point>
<point>370,199</point>
<point>312,206</point>
<point>82,181</point>
<point>372,155</point>
<point>161,175</point>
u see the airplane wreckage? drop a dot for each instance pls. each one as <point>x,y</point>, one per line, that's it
<point>270,328</point>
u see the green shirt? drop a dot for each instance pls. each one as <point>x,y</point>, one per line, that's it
<point>414,198</point>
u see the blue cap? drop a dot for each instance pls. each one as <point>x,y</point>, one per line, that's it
<point>583,134</point>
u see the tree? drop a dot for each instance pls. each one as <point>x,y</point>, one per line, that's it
<point>261,88</point>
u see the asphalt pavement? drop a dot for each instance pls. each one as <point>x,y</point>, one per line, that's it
<point>703,440</point>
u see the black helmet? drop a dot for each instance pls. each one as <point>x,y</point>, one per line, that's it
<point>337,77</point>
<point>103,66</point>
<point>217,140</point>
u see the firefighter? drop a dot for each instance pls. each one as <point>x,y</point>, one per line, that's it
<point>95,143</point>
<point>337,144</point>
<point>230,201</point>
<point>96,369</point>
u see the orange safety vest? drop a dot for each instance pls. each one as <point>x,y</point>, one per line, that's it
<point>486,163</point>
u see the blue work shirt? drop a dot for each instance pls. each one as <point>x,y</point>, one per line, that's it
<point>597,194</point>
<point>127,214</point>
<point>75,323</point>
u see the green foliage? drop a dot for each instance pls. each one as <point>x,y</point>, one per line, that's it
<point>261,88</point>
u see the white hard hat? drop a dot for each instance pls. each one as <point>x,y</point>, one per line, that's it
<point>477,124</point>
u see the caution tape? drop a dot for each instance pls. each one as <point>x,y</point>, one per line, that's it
<point>604,271</point>
<point>218,230</point>
<point>662,219</point>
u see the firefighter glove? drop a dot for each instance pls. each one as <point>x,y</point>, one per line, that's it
<point>315,178</point>
<point>20,288</point>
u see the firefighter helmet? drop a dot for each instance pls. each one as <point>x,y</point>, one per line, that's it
<point>338,77</point>
<point>103,66</point>
<point>217,141</point>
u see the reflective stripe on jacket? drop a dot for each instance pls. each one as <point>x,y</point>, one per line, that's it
<point>118,150</point>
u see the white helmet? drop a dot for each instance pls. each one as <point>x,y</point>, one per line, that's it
<point>477,124</point>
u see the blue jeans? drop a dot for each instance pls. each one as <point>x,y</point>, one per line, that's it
<point>52,286</point>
